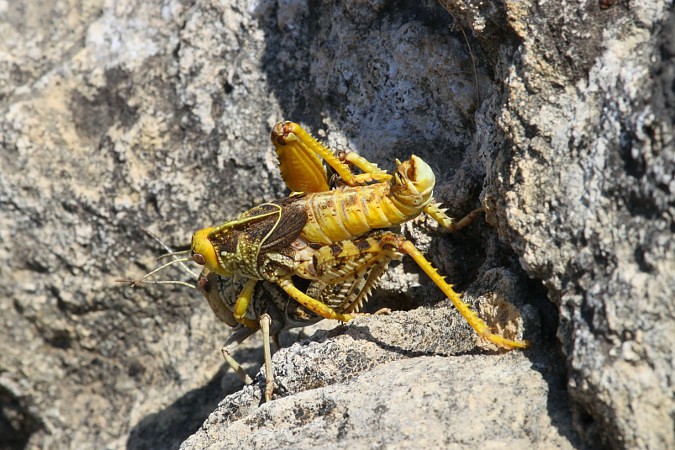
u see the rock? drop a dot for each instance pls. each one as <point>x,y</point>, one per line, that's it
<point>557,117</point>
<point>422,402</point>
<point>583,192</point>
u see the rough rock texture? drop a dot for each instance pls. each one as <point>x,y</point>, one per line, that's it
<point>585,194</point>
<point>557,116</point>
<point>421,393</point>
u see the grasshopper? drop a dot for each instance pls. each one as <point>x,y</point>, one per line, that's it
<point>331,231</point>
<point>328,234</point>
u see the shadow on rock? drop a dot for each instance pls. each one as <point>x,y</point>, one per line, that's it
<point>169,427</point>
<point>323,75</point>
<point>548,361</point>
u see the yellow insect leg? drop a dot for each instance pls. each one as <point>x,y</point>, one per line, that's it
<point>476,322</point>
<point>300,158</point>
<point>312,304</point>
<point>447,222</point>
<point>241,305</point>
<point>370,170</point>
<point>265,321</point>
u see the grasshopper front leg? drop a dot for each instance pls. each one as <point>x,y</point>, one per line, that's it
<point>270,323</point>
<point>310,303</point>
<point>249,327</point>
<point>241,305</point>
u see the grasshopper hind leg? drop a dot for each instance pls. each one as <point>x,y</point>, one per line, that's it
<point>404,246</point>
<point>387,246</point>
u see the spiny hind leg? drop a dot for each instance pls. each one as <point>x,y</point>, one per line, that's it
<point>335,262</point>
<point>350,292</point>
<point>438,214</point>
<point>300,157</point>
<point>350,270</point>
<point>402,245</point>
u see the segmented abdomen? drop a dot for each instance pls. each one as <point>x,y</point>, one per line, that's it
<point>344,214</point>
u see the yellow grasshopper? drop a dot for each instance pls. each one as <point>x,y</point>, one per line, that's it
<point>323,234</point>
<point>332,233</point>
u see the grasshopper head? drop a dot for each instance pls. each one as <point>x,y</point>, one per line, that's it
<point>413,182</point>
<point>203,252</point>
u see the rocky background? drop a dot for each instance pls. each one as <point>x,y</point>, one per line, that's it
<point>556,116</point>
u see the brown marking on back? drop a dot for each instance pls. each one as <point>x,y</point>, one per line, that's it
<point>362,244</point>
<point>336,249</point>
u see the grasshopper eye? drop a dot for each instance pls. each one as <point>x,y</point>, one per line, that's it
<point>199,259</point>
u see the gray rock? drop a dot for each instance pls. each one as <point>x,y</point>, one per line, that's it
<point>558,117</point>
<point>422,402</point>
<point>583,192</point>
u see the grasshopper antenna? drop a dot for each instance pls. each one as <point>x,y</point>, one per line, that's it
<point>171,253</point>
<point>174,260</point>
<point>141,281</point>
<point>160,268</point>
